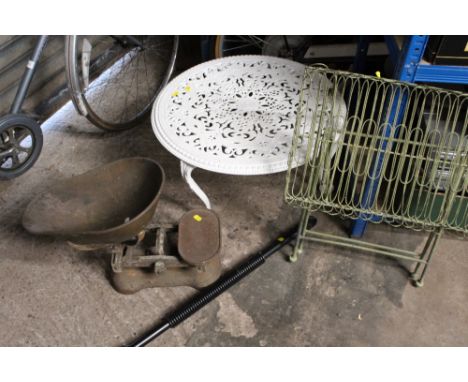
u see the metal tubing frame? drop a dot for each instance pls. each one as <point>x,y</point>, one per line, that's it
<point>301,231</point>
<point>422,259</point>
<point>431,243</point>
<point>28,75</point>
<point>333,153</point>
<point>413,51</point>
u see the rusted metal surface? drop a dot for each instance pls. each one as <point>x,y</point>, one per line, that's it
<point>199,236</point>
<point>110,204</point>
<point>131,280</point>
<point>157,260</point>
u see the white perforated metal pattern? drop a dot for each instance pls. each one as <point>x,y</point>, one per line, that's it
<point>233,115</point>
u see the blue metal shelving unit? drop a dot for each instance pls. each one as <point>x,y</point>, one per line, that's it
<point>409,67</point>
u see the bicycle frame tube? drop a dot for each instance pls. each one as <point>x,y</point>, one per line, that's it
<point>28,75</point>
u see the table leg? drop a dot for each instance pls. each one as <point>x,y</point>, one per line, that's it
<point>186,171</point>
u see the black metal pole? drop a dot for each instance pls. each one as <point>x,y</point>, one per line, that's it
<point>213,291</point>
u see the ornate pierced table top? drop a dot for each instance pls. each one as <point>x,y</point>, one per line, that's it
<point>232,115</point>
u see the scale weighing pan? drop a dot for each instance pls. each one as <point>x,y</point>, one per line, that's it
<point>110,204</point>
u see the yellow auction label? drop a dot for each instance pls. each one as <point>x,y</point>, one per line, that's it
<point>198,218</point>
<point>175,94</point>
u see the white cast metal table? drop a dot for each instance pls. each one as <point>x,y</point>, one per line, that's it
<point>233,115</point>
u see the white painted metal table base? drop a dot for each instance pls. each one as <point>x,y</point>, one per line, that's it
<point>233,115</point>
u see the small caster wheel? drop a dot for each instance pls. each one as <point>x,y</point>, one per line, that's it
<point>20,144</point>
<point>418,283</point>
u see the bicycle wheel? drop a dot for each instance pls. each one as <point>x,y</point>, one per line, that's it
<point>131,68</point>
<point>224,46</point>
<point>273,45</point>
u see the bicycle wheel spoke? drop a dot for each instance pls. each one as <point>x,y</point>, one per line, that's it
<point>255,40</point>
<point>237,47</point>
<point>148,94</point>
<point>124,112</point>
<point>161,54</point>
<point>137,87</point>
<point>157,45</point>
<point>225,39</point>
<point>132,104</point>
<point>111,75</point>
<point>120,69</point>
<point>261,42</point>
<point>125,108</point>
<point>248,39</point>
<point>243,44</point>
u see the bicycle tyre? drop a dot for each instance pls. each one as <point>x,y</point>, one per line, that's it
<point>113,70</point>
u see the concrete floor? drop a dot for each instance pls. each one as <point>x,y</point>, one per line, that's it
<point>52,295</point>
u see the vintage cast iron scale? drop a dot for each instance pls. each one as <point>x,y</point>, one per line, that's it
<point>110,208</point>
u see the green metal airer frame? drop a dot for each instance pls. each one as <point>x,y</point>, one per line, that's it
<point>379,150</point>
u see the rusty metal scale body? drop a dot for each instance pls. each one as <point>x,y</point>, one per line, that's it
<point>110,208</point>
<point>187,254</point>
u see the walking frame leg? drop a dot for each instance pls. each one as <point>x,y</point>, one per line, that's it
<point>418,276</point>
<point>301,231</point>
<point>28,75</point>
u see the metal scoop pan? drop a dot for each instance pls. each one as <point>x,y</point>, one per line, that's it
<point>110,204</point>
